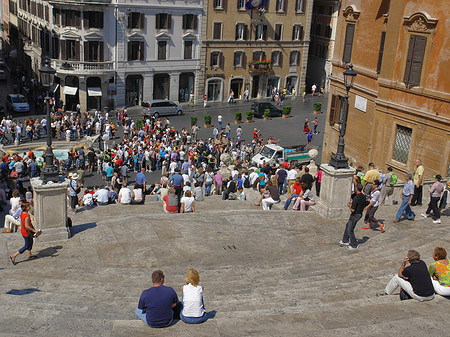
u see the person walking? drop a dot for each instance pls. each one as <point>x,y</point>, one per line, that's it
<point>407,196</point>
<point>418,184</point>
<point>372,207</point>
<point>435,194</point>
<point>356,208</point>
<point>28,232</point>
<point>390,179</point>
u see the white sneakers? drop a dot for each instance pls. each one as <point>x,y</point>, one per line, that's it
<point>352,248</point>
<point>437,221</point>
<point>424,215</point>
<point>342,243</point>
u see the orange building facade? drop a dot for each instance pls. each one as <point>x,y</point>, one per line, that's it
<point>399,106</point>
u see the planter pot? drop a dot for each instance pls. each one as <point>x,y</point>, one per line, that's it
<point>286,116</point>
<point>207,125</point>
<point>249,121</point>
<point>267,118</point>
<point>237,122</point>
<point>317,112</point>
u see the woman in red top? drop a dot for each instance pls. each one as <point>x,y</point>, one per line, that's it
<point>27,230</point>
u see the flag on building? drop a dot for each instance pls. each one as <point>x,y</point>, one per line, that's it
<point>252,4</point>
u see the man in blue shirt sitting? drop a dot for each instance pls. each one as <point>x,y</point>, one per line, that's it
<point>158,305</point>
<point>142,180</point>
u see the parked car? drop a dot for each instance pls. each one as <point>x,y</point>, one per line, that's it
<point>3,76</point>
<point>17,103</point>
<point>258,109</point>
<point>298,154</point>
<point>164,108</point>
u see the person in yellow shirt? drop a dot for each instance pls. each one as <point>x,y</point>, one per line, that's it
<point>371,175</point>
<point>418,184</point>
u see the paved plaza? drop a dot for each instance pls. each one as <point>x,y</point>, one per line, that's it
<point>265,273</point>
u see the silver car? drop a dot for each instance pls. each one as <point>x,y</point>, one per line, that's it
<point>17,103</point>
<point>165,108</point>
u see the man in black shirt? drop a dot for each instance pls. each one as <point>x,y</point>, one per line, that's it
<point>307,178</point>
<point>357,208</point>
<point>414,279</point>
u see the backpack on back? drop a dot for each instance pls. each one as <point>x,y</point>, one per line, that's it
<point>394,179</point>
<point>246,182</point>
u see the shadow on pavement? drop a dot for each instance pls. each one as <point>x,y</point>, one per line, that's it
<point>49,252</point>
<point>79,228</point>
<point>21,292</point>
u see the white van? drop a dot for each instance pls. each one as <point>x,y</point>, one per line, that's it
<point>17,103</point>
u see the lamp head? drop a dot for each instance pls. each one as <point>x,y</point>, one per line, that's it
<point>47,74</point>
<point>349,76</point>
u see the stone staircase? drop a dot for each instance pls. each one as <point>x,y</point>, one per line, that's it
<point>277,273</point>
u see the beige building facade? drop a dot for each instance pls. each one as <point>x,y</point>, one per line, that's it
<point>399,106</point>
<point>254,49</point>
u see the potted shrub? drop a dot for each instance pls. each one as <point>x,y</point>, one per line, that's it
<point>139,124</point>
<point>249,116</point>
<point>317,107</point>
<point>237,117</point>
<point>286,111</point>
<point>193,120</point>
<point>207,121</point>
<point>267,115</point>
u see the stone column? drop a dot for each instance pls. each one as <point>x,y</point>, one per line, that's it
<point>175,86</point>
<point>50,210</point>
<point>335,192</point>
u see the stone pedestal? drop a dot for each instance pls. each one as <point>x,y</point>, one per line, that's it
<point>50,210</point>
<point>335,192</point>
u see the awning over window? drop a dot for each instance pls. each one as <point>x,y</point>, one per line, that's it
<point>70,90</point>
<point>94,91</point>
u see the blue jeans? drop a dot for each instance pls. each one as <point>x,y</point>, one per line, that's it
<point>208,189</point>
<point>143,316</point>
<point>349,232</point>
<point>404,207</point>
<point>280,187</point>
<point>28,243</point>
<point>194,320</point>
<point>288,201</point>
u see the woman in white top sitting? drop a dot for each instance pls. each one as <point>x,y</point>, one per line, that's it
<point>193,309</point>
<point>187,203</point>
<point>305,199</point>
<point>138,197</point>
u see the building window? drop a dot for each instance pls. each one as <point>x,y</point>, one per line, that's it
<point>70,18</point>
<point>217,32</point>
<point>216,59</point>
<point>218,4</point>
<point>414,60</point>
<point>328,31</point>
<point>330,10</point>
<point>276,58</point>
<point>318,29</point>
<point>93,19</point>
<point>318,50</point>
<point>381,51</point>
<point>241,31</point>
<point>189,21</point>
<point>261,32</point>
<point>281,6</point>
<point>188,50</point>
<point>163,21</point>
<point>70,50</point>
<point>162,50</point>
<point>277,32</point>
<point>402,144</point>
<point>238,58</point>
<point>348,44</point>
<point>320,9</point>
<point>297,32</point>
<point>93,51</point>
<point>136,20</point>
<point>241,5</point>
<point>300,6</point>
<point>135,51</point>
<point>336,109</point>
<point>294,58</point>
<point>258,56</point>
<point>325,52</point>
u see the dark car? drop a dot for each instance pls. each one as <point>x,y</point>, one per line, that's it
<point>259,108</point>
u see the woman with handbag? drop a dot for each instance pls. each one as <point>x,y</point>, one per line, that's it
<point>28,232</point>
<point>73,191</point>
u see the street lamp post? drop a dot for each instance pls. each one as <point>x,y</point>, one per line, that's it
<point>49,171</point>
<point>339,160</point>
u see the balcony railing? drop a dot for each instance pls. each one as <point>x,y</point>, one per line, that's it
<point>82,67</point>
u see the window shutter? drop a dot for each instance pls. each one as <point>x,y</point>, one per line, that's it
<point>211,60</point>
<point>293,32</point>
<point>236,34</point>
<point>195,19</point>
<point>245,32</point>
<point>184,21</point>
<point>141,50</point>
<point>129,20</point>
<point>169,21</point>
<point>285,2</point>
<point>63,18</point>
<point>77,50</point>
<point>221,60</point>
<point>63,50</point>
<point>280,59</point>
<point>141,20</point>
<point>244,60</point>
<point>101,51</point>
<point>157,21</point>
<point>416,61</point>
<point>303,5</point>
<point>263,55</point>
<point>347,55</point>
<point>86,51</point>
<point>300,35</point>
<point>409,58</point>
<point>380,53</point>
<point>129,51</point>
<point>332,110</point>
<point>78,19</point>
<point>264,32</point>
<point>101,19</point>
